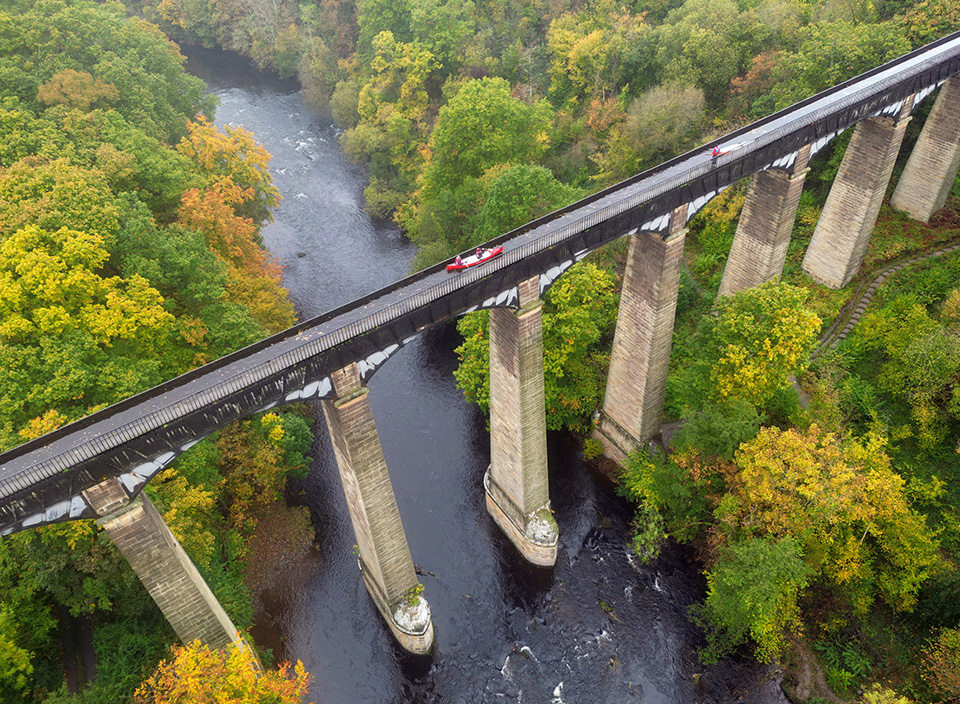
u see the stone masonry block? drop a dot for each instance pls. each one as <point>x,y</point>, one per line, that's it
<point>843,231</point>
<point>933,164</point>
<point>636,383</point>
<point>763,233</point>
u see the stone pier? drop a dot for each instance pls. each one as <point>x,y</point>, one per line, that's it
<point>766,223</point>
<point>850,213</point>
<point>637,381</point>
<point>517,482</point>
<point>384,556</point>
<point>172,579</point>
<point>932,167</point>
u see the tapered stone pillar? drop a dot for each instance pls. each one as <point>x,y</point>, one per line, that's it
<point>517,482</point>
<point>850,213</point>
<point>932,167</point>
<point>766,222</point>
<point>172,579</point>
<point>385,561</point>
<point>637,381</point>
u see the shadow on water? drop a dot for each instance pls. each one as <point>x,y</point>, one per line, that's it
<point>599,627</point>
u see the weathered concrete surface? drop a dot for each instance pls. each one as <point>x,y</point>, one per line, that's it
<point>933,164</point>
<point>637,381</point>
<point>144,539</point>
<point>850,213</point>
<point>517,483</point>
<point>385,561</point>
<point>766,222</point>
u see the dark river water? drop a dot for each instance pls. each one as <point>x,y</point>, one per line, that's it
<point>599,627</point>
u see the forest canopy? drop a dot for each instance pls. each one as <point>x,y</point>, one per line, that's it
<point>129,254</point>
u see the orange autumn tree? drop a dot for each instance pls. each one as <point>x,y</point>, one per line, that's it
<point>232,237</point>
<point>198,674</point>
<point>235,164</point>
<point>76,89</point>
<point>228,211</point>
<point>254,278</point>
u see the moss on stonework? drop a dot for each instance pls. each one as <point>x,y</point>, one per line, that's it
<point>542,527</point>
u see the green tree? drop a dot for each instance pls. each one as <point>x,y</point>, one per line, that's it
<point>194,20</point>
<point>70,564</point>
<point>676,494</point>
<point>129,159</point>
<point>929,20</point>
<point>22,134</point>
<point>878,694</point>
<point>44,38</point>
<point>376,16</point>
<point>752,593</point>
<point>443,28</point>
<point>664,121</point>
<point>831,52</point>
<point>705,43</point>
<point>515,195</point>
<point>921,363</point>
<point>55,195</point>
<point>481,127</point>
<point>15,665</point>
<point>718,429</point>
<point>593,52</point>
<point>393,122</point>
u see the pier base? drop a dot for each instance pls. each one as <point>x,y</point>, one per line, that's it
<point>385,561</point>
<point>535,535</point>
<point>410,622</point>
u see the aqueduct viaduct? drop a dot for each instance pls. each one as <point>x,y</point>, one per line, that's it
<point>98,466</point>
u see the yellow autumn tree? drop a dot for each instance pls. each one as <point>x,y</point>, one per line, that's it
<point>841,499</point>
<point>196,673</point>
<point>749,349</point>
<point>72,339</point>
<point>188,514</point>
<point>50,283</point>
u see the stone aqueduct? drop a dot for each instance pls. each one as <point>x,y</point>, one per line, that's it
<point>97,467</point>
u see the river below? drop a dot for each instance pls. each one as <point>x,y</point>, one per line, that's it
<point>599,627</point>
